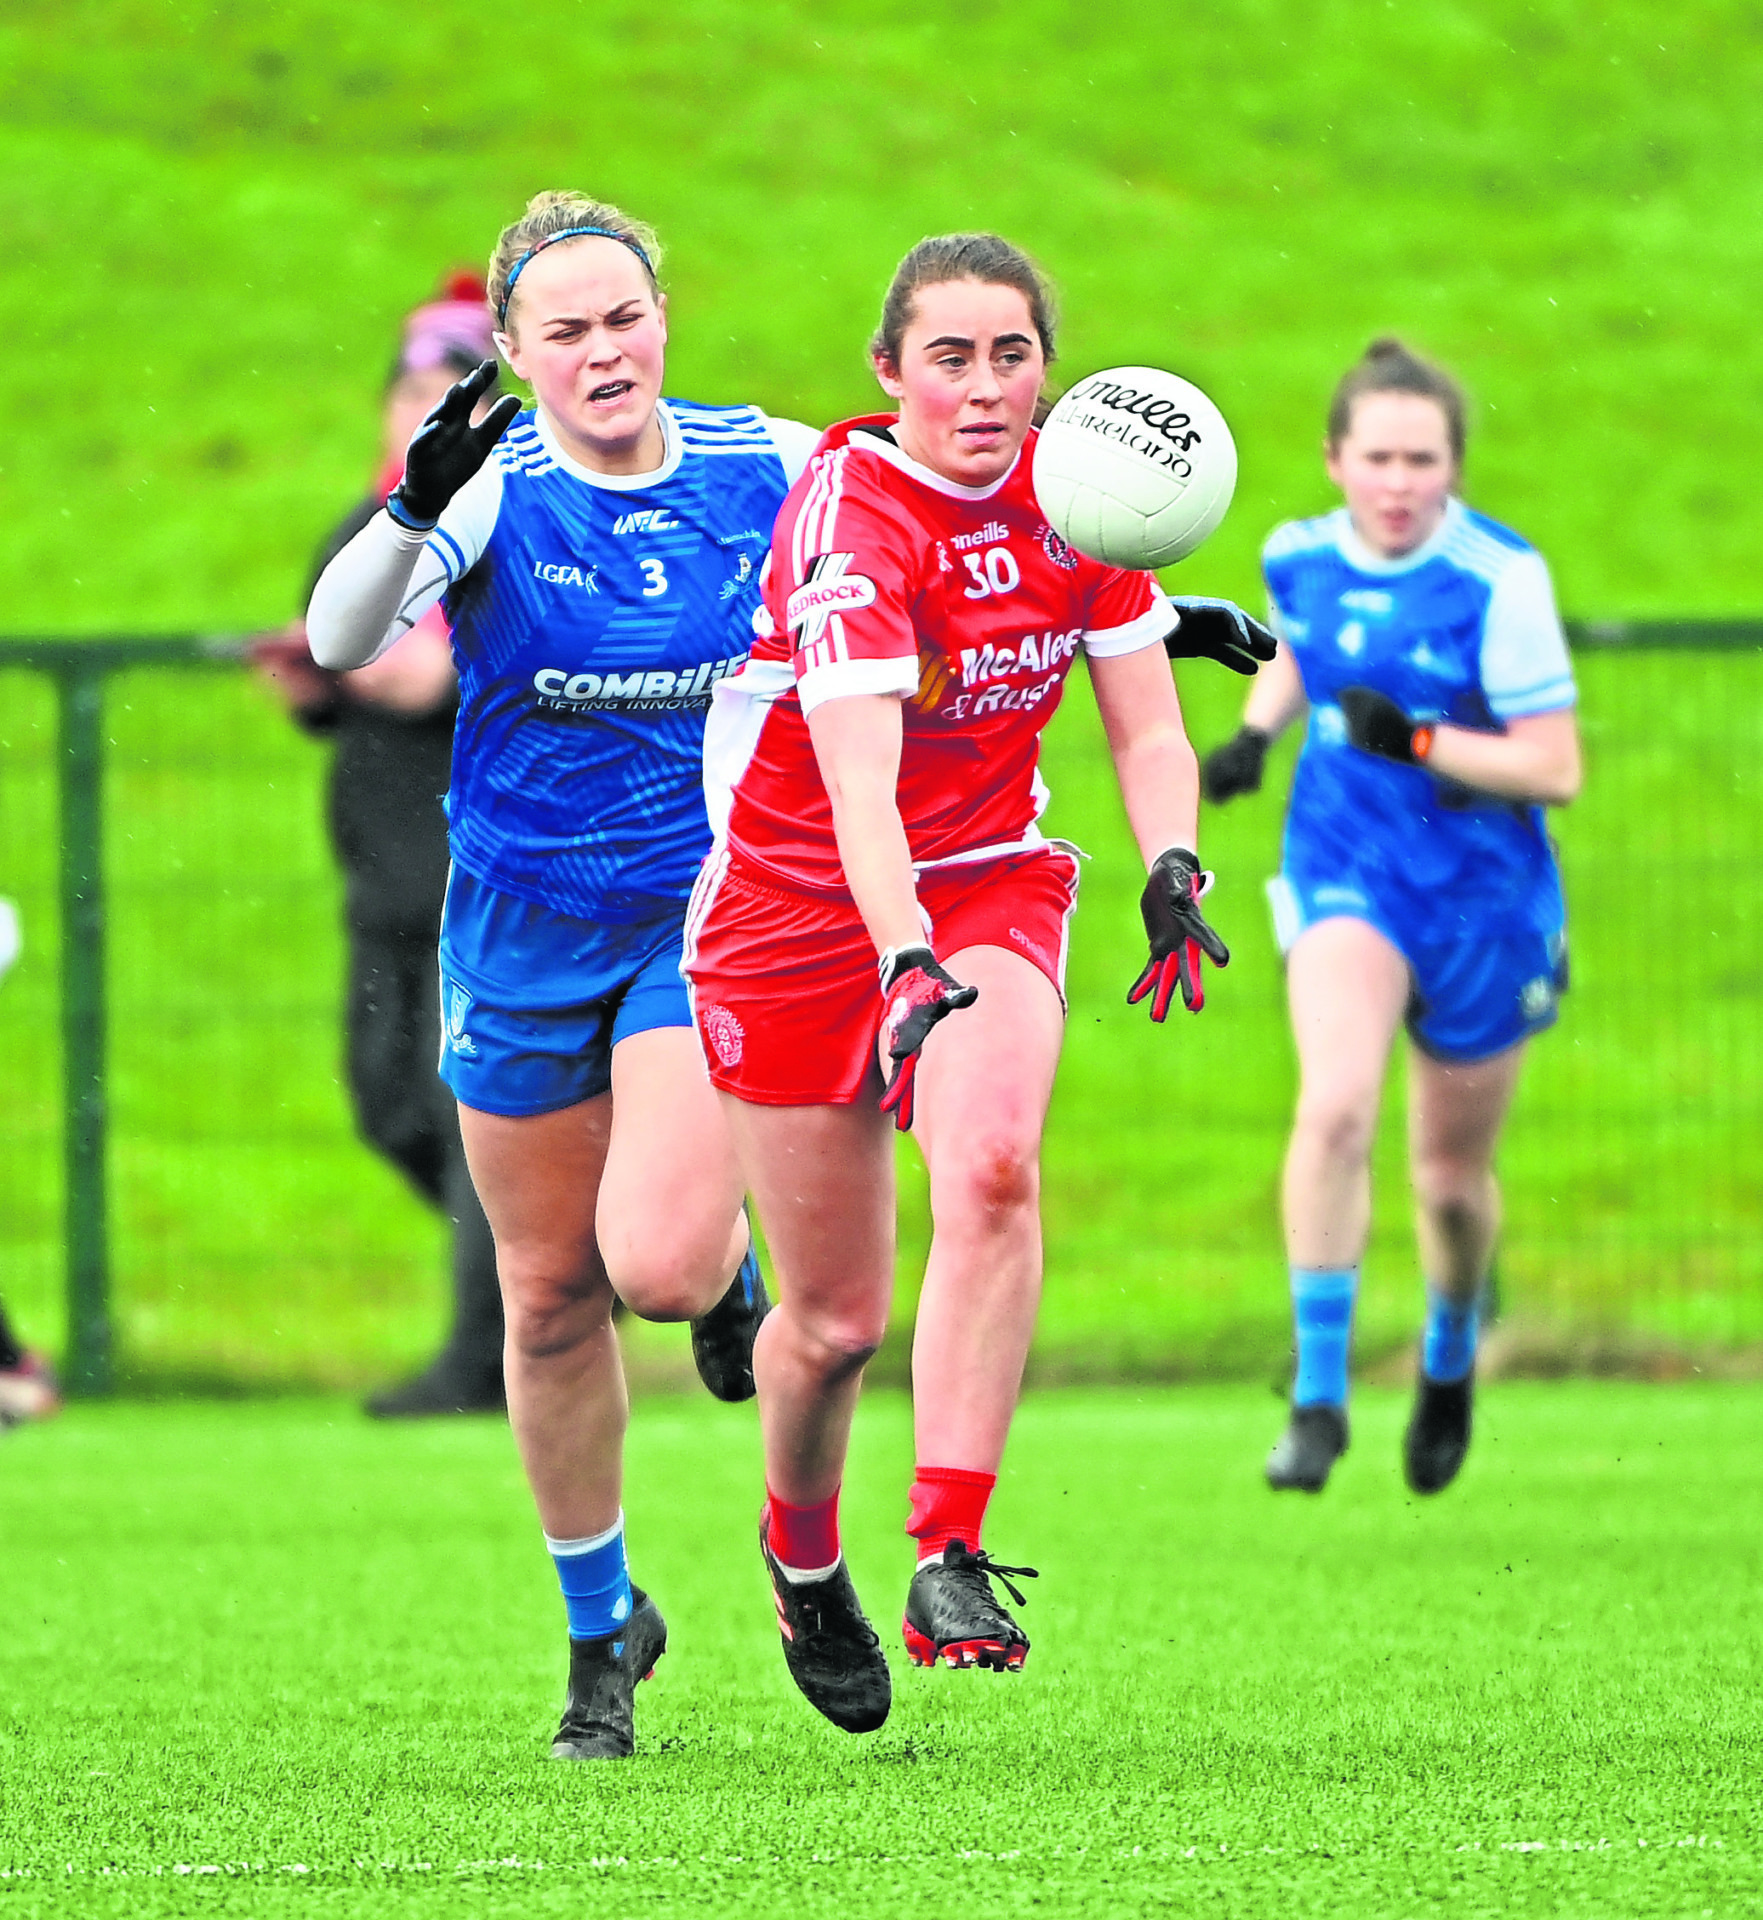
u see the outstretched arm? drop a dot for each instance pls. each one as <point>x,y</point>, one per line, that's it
<point>1536,760</point>
<point>1158,774</point>
<point>1160,784</point>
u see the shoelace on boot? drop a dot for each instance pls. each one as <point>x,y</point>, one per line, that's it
<point>969,1562</point>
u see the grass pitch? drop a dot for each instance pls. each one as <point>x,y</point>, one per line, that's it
<point>270,1658</point>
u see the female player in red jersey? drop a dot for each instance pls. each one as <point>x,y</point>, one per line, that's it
<point>872,782</point>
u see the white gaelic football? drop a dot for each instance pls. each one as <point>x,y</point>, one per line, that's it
<point>1135,466</point>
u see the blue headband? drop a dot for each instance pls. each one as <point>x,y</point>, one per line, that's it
<point>550,240</point>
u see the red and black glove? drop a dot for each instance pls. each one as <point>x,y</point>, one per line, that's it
<point>1178,933</point>
<point>918,993</point>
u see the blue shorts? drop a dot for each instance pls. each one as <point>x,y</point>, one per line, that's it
<point>1473,994</point>
<point>533,1001</point>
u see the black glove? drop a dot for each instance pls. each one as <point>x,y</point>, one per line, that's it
<point>1178,934</point>
<point>1377,725</point>
<point>918,994</point>
<point>1219,630</point>
<point>446,450</point>
<point>1236,766</point>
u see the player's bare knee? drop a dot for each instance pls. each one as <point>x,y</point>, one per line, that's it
<point>661,1288</point>
<point>996,1174</point>
<point>1340,1127</point>
<point>549,1313</point>
<point>839,1345</point>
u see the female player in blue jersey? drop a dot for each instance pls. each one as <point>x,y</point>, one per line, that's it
<point>1418,884</point>
<point>599,556</point>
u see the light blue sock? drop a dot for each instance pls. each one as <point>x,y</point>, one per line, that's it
<point>595,1580</point>
<point>1322,1314</point>
<point>1447,1352</point>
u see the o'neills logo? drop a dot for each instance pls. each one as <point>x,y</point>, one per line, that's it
<point>1166,417</point>
<point>816,601</point>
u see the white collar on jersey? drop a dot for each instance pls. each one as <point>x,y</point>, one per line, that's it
<point>1364,560</point>
<point>889,450</point>
<point>616,482</point>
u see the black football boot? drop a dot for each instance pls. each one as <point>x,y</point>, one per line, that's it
<point>603,1674</point>
<point>1438,1432</point>
<point>953,1616</point>
<point>1302,1456</point>
<point>830,1648</point>
<point>722,1339</point>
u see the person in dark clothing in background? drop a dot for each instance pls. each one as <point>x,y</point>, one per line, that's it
<point>391,725</point>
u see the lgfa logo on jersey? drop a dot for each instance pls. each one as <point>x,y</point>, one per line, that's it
<point>561,574</point>
<point>828,590</point>
<point>646,520</point>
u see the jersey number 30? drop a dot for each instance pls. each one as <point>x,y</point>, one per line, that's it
<point>994,571</point>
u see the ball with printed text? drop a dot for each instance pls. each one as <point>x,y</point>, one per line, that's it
<point>1135,466</point>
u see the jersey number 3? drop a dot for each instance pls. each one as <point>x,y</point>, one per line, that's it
<point>654,578</point>
<point>994,571</point>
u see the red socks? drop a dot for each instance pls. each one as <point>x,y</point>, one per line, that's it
<point>948,1503</point>
<point>804,1539</point>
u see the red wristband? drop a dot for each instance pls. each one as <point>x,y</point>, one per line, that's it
<point>1421,744</point>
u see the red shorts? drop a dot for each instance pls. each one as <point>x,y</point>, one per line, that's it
<point>784,986</point>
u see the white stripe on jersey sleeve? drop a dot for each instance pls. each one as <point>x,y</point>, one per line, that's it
<point>794,442</point>
<point>1524,664</point>
<point>1148,630</point>
<point>842,679</point>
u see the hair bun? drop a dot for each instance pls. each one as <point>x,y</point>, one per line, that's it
<point>1387,347</point>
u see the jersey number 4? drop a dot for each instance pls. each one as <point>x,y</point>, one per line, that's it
<point>993,571</point>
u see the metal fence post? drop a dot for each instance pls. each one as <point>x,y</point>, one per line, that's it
<point>89,1355</point>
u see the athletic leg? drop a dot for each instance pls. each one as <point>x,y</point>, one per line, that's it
<point>984,1083</point>
<point>1347,987</point>
<point>823,1181</point>
<point>538,1177</point>
<point>822,1178</point>
<point>1455,1112</point>
<point>670,1226</point>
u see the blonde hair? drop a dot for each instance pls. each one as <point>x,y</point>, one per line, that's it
<point>551,216</point>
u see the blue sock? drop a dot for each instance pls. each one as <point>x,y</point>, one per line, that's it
<point>1322,1313</point>
<point>1447,1351</point>
<point>596,1583</point>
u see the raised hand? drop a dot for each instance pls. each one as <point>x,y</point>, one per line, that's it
<point>918,994</point>
<point>447,449</point>
<point>1219,630</point>
<point>1178,934</point>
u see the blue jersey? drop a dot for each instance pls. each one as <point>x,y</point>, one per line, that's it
<point>592,615</point>
<point>1464,630</point>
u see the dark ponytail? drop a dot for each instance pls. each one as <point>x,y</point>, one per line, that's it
<point>1387,366</point>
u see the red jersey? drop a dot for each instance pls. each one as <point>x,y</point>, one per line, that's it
<point>886,578</point>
